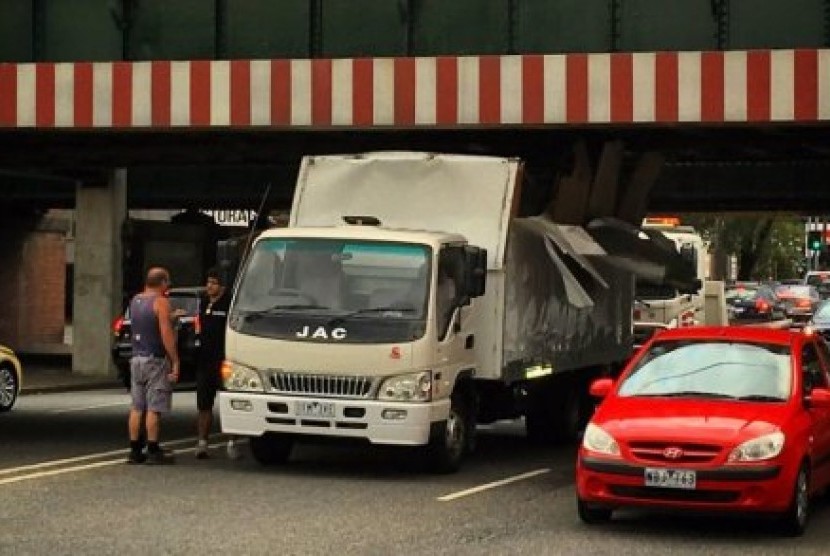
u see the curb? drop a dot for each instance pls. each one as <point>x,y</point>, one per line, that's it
<point>58,388</point>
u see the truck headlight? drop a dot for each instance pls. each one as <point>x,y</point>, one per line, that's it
<point>412,387</point>
<point>597,440</point>
<point>239,378</point>
<point>759,449</point>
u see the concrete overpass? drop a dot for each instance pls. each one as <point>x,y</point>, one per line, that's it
<point>736,130</point>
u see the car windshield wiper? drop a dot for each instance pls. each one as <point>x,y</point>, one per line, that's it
<point>282,307</point>
<point>341,318</point>
<point>687,394</point>
<point>759,398</point>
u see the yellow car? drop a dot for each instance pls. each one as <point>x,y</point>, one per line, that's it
<point>11,377</point>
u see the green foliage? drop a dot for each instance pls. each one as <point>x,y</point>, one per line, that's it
<point>766,246</point>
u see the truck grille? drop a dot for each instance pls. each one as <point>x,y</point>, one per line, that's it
<point>331,386</point>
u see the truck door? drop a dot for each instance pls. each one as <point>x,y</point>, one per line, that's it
<point>450,310</point>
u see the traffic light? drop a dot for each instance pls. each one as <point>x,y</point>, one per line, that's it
<point>814,241</point>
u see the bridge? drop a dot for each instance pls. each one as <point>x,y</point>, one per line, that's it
<point>719,105</point>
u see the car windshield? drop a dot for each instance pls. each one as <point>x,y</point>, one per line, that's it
<point>741,293</point>
<point>822,313</point>
<point>189,303</point>
<point>712,369</point>
<point>376,290</point>
<point>818,279</point>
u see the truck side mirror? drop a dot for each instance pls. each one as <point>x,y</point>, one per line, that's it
<point>476,271</point>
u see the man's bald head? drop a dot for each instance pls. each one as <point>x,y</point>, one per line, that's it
<point>157,277</point>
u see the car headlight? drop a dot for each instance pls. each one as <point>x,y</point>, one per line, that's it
<point>412,387</point>
<point>759,449</point>
<point>240,378</point>
<point>597,440</point>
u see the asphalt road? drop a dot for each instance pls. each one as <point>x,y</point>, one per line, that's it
<point>64,489</point>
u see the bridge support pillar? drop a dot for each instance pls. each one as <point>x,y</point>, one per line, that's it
<point>100,212</point>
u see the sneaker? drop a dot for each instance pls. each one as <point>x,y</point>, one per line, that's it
<point>202,450</point>
<point>136,458</point>
<point>162,457</point>
<point>233,451</point>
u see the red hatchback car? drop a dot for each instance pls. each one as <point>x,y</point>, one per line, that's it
<point>733,419</point>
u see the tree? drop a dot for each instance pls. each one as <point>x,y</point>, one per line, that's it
<point>765,246</point>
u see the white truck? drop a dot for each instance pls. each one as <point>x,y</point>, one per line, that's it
<point>664,304</point>
<point>405,302</point>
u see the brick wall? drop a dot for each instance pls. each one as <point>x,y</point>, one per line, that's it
<point>33,287</point>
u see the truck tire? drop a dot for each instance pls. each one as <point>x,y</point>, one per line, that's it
<point>554,421</point>
<point>271,449</point>
<point>449,440</point>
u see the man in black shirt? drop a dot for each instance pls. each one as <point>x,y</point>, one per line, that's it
<point>213,317</point>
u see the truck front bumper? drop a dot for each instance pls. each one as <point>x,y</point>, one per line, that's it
<point>395,423</point>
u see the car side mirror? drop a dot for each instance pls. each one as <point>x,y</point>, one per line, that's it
<point>819,398</point>
<point>601,387</point>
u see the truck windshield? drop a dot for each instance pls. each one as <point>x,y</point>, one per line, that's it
<point>345,291</point>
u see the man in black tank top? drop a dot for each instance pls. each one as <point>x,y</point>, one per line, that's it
<point>154,366</point>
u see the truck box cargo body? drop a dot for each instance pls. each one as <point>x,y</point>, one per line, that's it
<point>347,330</point>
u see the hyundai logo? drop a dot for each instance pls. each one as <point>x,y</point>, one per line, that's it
<point>673,452</point>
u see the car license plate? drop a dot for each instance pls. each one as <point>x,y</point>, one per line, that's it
<point>315,409</point>
<point>738,309</point>
<point>670,478</point>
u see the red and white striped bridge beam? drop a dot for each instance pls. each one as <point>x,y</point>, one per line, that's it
<point>448,91</point>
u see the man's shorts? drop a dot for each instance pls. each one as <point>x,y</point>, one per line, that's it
<point>150,387</point>
<point>207,384</point>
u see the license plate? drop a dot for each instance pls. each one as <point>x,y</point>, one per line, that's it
<point>670,478</point>
<point>738,309</point>
<point>315,409</point>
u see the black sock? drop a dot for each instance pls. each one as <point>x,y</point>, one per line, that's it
<point>136,446</point>
<point>153,447</point>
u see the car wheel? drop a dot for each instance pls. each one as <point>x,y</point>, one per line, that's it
<point>8,387</point>
<point>794,521</point>
<point>271,449</point>
<point>592,515</point>
<point>449,440</point>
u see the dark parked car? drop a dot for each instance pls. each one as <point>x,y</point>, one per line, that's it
<point>751,302</point>
<point>187,329</point>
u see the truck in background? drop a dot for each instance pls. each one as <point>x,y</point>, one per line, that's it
<point>659,305</point>
<point>406,302</point>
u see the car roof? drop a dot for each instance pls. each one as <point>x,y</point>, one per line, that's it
<point>741,333</point>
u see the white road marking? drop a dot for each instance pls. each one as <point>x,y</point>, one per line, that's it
<point>88,457</point>
<point>99,406</point>
<point>495,484</point>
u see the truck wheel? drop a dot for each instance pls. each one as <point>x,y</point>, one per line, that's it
<point>590,515</point>
<point>271,449</point>
<point>8,387</point>
<point>449,440</point>
<point>555,421</point>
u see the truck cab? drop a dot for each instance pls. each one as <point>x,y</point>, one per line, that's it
<point>663,304</point>
<point>354,331</point>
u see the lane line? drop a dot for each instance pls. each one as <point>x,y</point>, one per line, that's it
<point>494,484</point>
<point>96,465</point>
<point>88,457</point>
<point>99,406</point>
